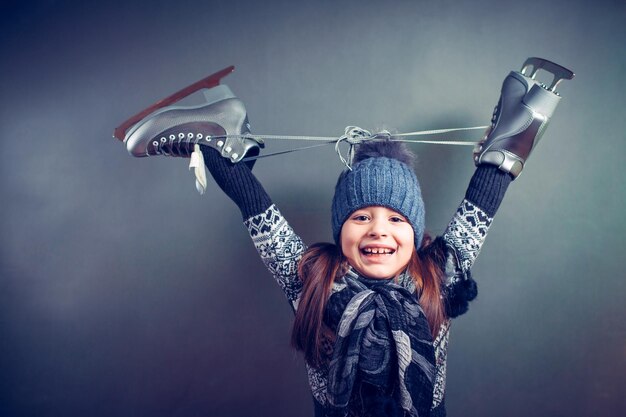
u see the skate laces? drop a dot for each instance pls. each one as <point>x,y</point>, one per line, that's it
<point>353,135</point>
<point>199,169</point>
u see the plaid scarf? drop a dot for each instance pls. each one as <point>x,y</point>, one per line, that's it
<point>383,361</point>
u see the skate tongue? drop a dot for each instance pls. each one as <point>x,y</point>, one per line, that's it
<point>197,163</point>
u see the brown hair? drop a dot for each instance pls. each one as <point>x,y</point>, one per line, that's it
<point>321,264</point>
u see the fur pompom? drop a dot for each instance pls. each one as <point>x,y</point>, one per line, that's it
<point>387,148</point>
<point>460,295</point>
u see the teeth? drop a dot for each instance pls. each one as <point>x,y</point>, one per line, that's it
<point>378,250</point>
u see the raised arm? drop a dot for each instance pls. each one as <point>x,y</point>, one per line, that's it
<point>463,238</point>
<point>278,245</point>
<point>519,120</point>
<point>468,229</point>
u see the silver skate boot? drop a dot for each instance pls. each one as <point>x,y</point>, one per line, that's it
<point>521,116</point>
<point>166,129</point>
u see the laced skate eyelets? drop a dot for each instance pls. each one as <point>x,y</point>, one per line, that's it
<point>165,133</point>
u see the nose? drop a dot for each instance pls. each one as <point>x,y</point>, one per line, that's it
<point>378,228</point>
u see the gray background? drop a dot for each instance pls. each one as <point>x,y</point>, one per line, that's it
<point>125,293</point>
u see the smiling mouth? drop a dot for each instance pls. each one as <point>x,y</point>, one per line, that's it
<point>377,251</point>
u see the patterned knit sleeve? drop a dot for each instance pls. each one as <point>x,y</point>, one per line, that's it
<point>279,246</point>
<point>466,233</point>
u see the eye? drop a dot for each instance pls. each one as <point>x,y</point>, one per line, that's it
<point>360,217</point>
<point>397,219</point>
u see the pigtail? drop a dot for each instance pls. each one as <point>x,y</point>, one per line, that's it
<point>428,277</point>
<point>317,269</point>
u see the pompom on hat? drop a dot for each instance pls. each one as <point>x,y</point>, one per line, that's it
<point>381,175</point>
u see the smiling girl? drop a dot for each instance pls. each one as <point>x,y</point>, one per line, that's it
<point>373,309</point>
<point>377,242</point>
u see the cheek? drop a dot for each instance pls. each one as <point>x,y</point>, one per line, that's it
<point>406,235</point>
<point>344,244</point>
<point>348,248</point>
<point>407,240</point>
<point>348,239</point>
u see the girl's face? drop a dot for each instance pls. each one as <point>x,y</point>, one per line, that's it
<point>377,241</point>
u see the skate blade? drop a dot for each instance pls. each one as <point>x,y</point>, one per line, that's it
<point>534,64</point>
<point>209,82</point>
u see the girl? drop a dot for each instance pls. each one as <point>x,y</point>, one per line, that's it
<point>373,309</point>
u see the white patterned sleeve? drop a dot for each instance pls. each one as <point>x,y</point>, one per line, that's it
<point>466,234</point>
<point>280,249</point>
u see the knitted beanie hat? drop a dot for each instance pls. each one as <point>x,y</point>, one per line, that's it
<point>381,176</point>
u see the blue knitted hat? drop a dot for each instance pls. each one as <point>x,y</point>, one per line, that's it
<point>381,176</point>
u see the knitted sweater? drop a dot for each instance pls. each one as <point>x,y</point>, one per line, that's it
<point>455,251</point>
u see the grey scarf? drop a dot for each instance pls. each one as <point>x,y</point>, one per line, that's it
<point>383,355</point>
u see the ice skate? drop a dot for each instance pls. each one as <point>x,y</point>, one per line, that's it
<point>173,130</point>
<point>521,116</point>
